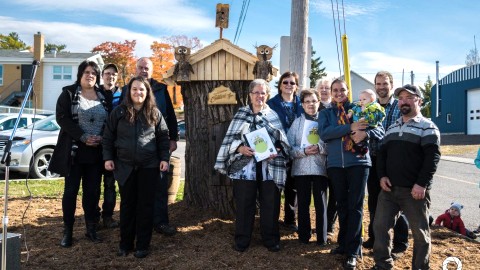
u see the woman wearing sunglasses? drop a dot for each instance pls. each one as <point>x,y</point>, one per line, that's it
<point>288,107</point>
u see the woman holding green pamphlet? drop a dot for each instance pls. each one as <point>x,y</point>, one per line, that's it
<point>240,161</point>
<point>309,156</point>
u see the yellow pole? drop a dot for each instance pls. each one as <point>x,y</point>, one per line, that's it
<point>346,65</point>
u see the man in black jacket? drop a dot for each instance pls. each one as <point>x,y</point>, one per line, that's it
<point>406,162</point>
<point>109,76</point>
<point>164,103</point>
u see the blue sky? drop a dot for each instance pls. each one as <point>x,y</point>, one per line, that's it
<point>408,35</point>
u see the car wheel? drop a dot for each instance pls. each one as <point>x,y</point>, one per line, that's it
<point>39,167</point>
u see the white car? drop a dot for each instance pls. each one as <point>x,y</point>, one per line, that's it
<point>32,149</point>
<point>7,120</point>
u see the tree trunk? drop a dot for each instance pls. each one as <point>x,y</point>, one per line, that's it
<point>206,126</point>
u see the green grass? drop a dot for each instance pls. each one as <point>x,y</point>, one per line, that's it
<point>50,189</point>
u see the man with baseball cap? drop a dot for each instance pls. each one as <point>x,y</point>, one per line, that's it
<point>406,162</point>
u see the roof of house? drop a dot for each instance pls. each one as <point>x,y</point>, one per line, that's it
<point>27,55</point>
<point>357,75</point>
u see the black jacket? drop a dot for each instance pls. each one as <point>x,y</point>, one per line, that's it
<point>134,145</point>
<point>164,104</point>
<point>70,130</point>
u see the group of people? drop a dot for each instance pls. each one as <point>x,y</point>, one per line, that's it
<point>333,148</point>
<point>125,135</point>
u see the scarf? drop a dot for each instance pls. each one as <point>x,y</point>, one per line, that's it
<point>342,119</point>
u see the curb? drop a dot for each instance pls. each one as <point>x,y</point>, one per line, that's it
<point>458,159</point>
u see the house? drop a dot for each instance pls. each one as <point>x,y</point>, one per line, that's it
<point>56,70</point>
<point>456,102</point>
<point>358,83</point>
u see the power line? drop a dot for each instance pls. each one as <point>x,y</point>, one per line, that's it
<point>241,20</point>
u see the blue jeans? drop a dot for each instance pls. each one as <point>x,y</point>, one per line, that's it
<point>349,189</point>
<point>417,213</point>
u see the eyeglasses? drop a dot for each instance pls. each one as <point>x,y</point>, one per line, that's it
<point>88,73</point>
<point>289,82</point>
<point>258,93</point>
<point>110,74</point>
<point>308,102</point>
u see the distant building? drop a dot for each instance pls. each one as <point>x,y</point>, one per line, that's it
<point>56,70</point>
<point>458,109</point>
<point>358,83</point>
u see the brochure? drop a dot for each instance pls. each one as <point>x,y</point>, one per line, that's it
<point>260,141</point>
<point>310,133</point>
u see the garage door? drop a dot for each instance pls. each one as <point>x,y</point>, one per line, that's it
<point>473,111</point>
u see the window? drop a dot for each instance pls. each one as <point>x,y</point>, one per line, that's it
<point>1,75</point>
<point>62,72</point>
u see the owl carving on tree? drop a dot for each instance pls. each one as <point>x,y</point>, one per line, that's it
<point>263,68</point>
<point>182,67</point>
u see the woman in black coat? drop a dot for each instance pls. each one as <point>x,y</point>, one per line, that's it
<point>136,148</point>
<point>81,112</point>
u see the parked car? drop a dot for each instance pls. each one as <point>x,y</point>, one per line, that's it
<point>7,120</point>
<point>181,129</point>
<point>32,149</point>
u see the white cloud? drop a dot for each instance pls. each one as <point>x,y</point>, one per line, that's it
<point>168,15</point>
<point>350,9</point>
<point>78,38</point>
<point>367,64</point>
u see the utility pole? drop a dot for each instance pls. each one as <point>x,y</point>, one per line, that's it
<point>412,77</point>
<point>299,41</point>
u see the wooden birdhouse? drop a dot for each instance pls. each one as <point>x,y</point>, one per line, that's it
<point>221,19</point>
<point>216,89</point>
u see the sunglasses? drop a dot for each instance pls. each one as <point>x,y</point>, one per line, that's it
<point>288,82</point>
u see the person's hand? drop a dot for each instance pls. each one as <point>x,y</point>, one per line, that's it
<point>173,146</point>
<point>385,184</point>
<point>93,140</point>
<point>418,192</point>
<point>360,125</point>
<point>246,151</point>
<point>164,166</point>
<point>311,150</point>
<point>358,136</point>
<point>109,165</point>
<point>272,156</point>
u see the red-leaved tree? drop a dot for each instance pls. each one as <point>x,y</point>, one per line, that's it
<point>120,54</point>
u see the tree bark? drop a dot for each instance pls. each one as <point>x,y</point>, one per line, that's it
<point>205,127</point>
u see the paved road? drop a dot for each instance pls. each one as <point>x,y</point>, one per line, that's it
<point>180,152</point>
<point>459,182</point>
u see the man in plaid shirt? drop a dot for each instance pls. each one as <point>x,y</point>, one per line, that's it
<point>384,88</point>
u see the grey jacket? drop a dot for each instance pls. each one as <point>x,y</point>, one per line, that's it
<point>303,164</point>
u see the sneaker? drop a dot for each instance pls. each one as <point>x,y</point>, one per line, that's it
<point>110,223</point>
<point>369,243</point>
<point>471,235</point>
<point>350,263</point>
<point>165,229</point>
<point>397,252</point>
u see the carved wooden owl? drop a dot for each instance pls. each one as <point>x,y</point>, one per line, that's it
<point>182,67</point>
<point>264,52</point>
<point>263,68</point>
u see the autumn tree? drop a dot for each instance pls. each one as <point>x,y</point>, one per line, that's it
<point>120,54</point>
<point>162,59</point>
<point>181,40</point>
<point>12,41</point>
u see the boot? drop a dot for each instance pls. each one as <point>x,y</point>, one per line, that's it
<point>92,233</point>
<point>67,236</point>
